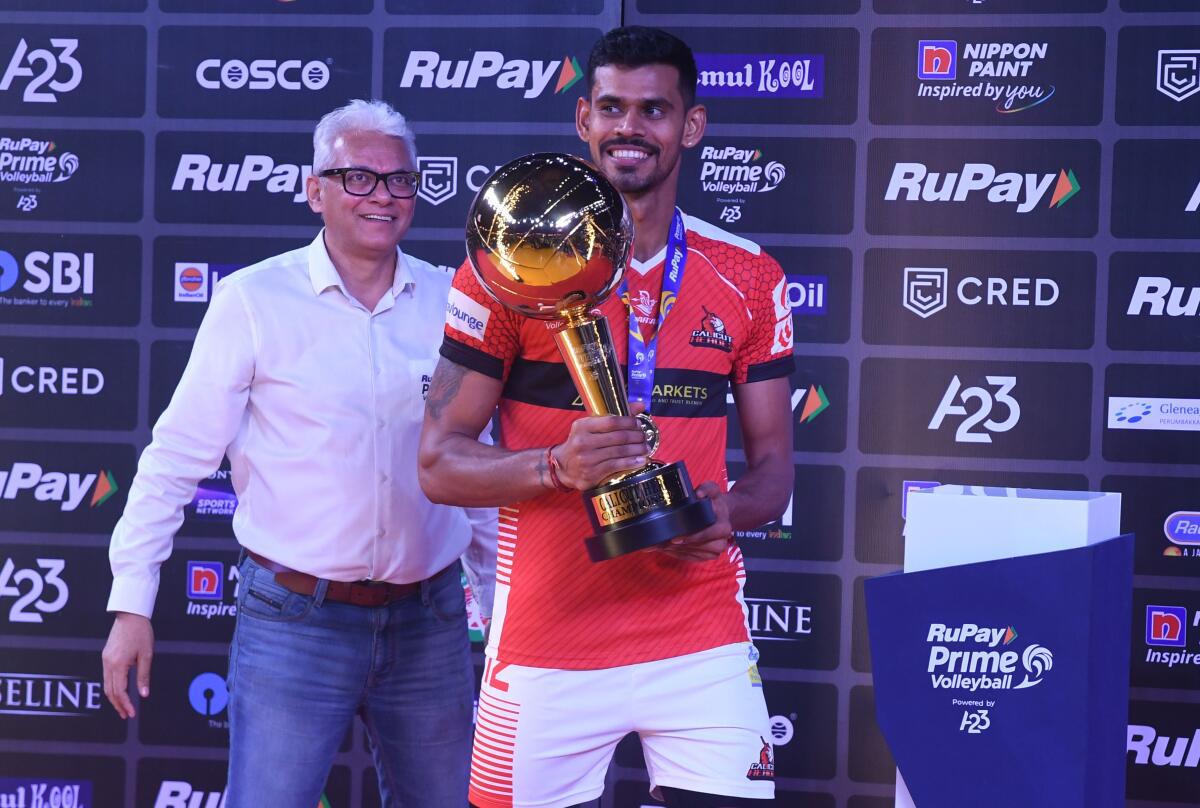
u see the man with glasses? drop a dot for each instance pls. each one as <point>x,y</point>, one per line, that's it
<point>310,371</point>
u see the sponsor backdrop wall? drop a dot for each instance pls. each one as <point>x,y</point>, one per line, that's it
<point>988,210</point>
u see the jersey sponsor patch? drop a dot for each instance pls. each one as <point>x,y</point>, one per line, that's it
<point>466,316</point>
<point>783,337</point>
<point>780,297</point>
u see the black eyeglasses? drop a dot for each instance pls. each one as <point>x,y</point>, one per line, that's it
<point>362,181</point>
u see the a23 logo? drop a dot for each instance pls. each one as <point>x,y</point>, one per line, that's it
<point>22,66</point>
<point>30,603</point>
<point>980,414</point>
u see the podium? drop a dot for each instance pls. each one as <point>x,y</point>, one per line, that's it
<point>1004,681</point>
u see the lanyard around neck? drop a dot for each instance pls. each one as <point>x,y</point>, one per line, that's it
<point>642,355</point>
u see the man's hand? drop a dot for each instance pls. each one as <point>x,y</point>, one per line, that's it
<point>130,643</point>
<point>598,447</point>
<point>711,542</point>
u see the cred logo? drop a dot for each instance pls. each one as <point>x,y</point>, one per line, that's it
<point>262,74</point>
<point>25,380</point>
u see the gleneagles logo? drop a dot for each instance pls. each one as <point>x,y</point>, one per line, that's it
<point>968,657</point>
<point>914,181</point>
<point>429,69</point>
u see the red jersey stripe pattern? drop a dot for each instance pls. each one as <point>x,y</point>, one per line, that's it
<point>731,323</point>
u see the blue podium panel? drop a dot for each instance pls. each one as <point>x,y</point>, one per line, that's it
<point>1006,682</point>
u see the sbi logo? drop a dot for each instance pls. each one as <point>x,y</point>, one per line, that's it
<point>59,273</point>
<point>262,74</point>
<point>208,694</point>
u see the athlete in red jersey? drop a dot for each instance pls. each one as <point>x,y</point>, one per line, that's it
<point>656,641</point>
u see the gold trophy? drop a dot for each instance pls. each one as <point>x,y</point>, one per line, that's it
<point>549,237</point>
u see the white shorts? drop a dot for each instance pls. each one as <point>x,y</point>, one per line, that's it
<point>544,737</point>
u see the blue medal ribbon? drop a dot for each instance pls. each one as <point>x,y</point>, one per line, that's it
<point>642,355</point>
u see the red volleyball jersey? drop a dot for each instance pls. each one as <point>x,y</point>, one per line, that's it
<point>554,607</point>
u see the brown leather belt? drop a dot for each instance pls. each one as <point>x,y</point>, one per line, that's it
<point>358,593</point>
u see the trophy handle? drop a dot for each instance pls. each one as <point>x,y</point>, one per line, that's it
<point>650,430</point>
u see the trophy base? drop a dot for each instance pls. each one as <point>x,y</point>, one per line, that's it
<point>642,510</point>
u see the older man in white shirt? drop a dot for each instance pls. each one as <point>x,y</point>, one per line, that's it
<point>309,372</point>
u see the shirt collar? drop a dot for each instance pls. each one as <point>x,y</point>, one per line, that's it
<point>644,267</point>
<point>323,274</point>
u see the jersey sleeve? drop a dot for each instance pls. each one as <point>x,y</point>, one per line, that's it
<point>480,333</point>
<point>767,354</point>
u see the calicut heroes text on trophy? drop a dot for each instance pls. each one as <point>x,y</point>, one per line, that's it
<point>549,237</point>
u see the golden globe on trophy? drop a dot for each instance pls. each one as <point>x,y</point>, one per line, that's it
<point>549,237</point>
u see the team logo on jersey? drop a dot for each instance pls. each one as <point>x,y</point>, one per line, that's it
<point>711,333</point>
<point>764,767</point>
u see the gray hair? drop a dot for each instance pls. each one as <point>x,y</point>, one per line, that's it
<point>358,116</point>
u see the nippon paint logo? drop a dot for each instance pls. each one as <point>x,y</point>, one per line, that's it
<point>912,182</point>
<point>531,77</point>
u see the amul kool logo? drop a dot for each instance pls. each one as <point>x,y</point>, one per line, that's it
<point>750,75</point>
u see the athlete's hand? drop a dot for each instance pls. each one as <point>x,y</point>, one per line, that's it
<point>707,544</point>
<point>130,643</point>
<point>598,447</point>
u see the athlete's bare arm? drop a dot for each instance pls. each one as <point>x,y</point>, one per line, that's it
<point>761,494</point>
<point>456,469</point>
<point>764,412</point>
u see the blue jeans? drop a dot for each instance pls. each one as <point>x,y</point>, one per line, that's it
<point>301,668</point>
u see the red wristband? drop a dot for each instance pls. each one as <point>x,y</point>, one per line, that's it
<point>552,464</point>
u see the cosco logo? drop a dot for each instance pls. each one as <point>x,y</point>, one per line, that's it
<point>262,74</point>
<point>30,603</point>
<point>49,65</point>
<point>985,402</point>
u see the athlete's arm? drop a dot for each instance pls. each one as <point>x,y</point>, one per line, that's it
<point>764,412</point>
<point>761,494</point>
<point>454,468</point>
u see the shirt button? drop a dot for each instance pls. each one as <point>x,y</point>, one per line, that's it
<point>380,423</point>
<point>383,477</point>
<point>381,533</point>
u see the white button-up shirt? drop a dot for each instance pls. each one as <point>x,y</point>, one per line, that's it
<point>318,403</point>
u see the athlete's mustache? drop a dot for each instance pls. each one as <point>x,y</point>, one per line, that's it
<point>628,141</point>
